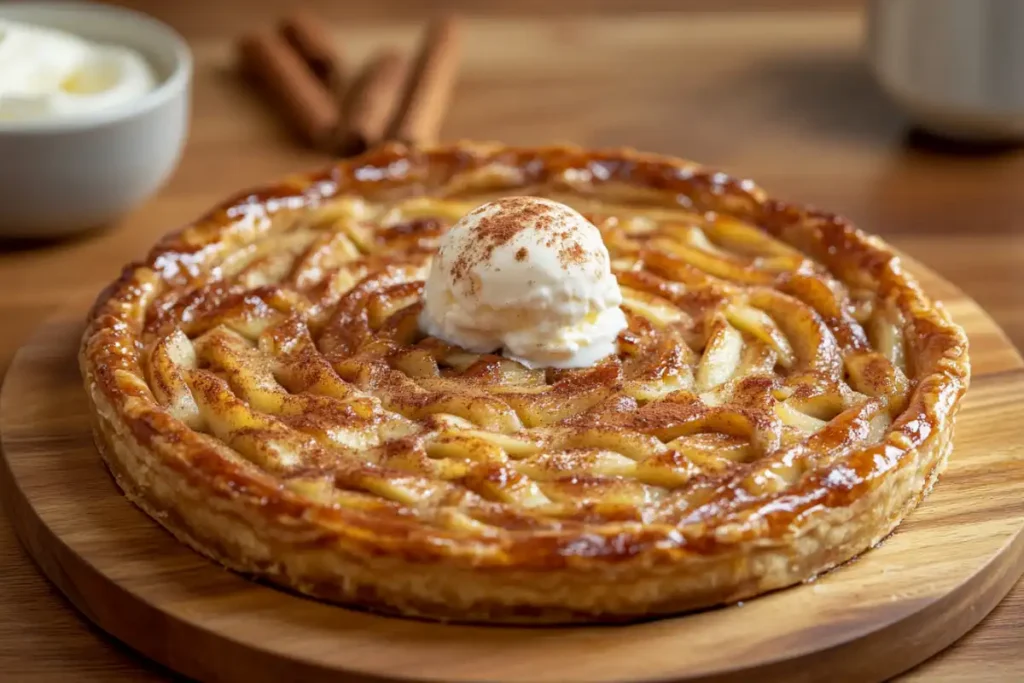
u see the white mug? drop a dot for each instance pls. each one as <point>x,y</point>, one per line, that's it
<point>955,66</point>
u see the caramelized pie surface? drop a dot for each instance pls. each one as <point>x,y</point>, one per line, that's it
<point>784,394</point>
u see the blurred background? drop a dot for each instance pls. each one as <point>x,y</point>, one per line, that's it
<point>775,90</point>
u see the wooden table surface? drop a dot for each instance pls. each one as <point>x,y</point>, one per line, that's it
<point>779,96</point>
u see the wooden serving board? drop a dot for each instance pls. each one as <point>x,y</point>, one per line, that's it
<point>946,567</point>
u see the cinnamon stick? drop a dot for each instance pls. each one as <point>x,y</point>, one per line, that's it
<point>309,37</point>
<point>369,104</point>
<point>429,85</point>
<point>291,85</point>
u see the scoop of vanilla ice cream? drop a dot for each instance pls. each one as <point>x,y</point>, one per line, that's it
<point>527,275</point>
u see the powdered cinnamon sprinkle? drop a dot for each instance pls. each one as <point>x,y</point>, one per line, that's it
<point>571,254</point>
<point>516,214</point>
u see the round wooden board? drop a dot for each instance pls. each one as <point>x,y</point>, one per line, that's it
<point>945,568</point>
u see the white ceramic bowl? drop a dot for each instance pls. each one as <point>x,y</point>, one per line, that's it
<point>61,176</point>
<point>955,66</point>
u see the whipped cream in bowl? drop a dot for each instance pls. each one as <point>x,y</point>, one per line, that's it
<point>47,73</point>
<point>527,276</point>
<point>94,114</point>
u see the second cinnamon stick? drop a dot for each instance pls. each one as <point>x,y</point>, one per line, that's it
<point>429,85</point>
<point>309,36</point>
<point>290,84</point>
<point>370,103</point>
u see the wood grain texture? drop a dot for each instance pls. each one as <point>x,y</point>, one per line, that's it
<point>872,618</point>
<point>779,97</point>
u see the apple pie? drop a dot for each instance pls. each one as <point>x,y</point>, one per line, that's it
<point>782,396</point>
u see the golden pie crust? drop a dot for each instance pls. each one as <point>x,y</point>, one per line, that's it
<point>785,394</point>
